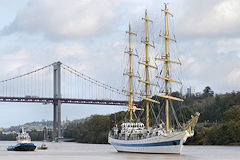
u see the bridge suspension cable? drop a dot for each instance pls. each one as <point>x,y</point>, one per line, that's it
<point>85,77</point>
<point>26,74</point>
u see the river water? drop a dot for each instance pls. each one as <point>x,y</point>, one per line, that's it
<point>79,151</point>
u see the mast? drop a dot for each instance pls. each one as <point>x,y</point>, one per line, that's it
<point>131,75</point>
<point>130,72</point>
<point>167,75</point>
<point>146,71</point>
<point>147,65</point>
<point>167,71</point>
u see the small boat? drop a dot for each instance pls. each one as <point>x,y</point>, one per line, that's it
<point>43,147</point>
<point>23,143</point>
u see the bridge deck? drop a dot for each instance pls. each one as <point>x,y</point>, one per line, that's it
<point>64,100</point>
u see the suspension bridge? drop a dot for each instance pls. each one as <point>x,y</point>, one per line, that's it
<point>57,84</point>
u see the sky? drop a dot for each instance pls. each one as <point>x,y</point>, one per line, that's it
<point>89,35</point>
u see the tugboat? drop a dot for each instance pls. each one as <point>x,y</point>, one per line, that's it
<point>23,143</point>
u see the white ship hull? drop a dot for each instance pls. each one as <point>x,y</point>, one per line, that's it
<point>171,143</point>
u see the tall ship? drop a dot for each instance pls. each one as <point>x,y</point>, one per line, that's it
<point>23,143</point>
<point>161,137</point>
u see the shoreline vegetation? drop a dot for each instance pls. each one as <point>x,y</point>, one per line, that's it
<point>218,124</point>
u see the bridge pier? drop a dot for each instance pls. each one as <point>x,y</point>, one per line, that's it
<point>57,103</point>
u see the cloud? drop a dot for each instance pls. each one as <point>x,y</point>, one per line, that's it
<point>234,76</point>
<point>215,18</point>
<point>212,63</point>
<point>230,46</point>
<point>93,63</point>
<point>64,19</point>
<point>14,60</point>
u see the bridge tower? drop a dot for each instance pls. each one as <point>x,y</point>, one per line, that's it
<point>57,101</point>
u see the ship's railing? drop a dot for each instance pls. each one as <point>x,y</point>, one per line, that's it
<point>131,136</point>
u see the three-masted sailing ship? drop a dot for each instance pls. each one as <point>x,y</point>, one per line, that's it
<point>134,136</point>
